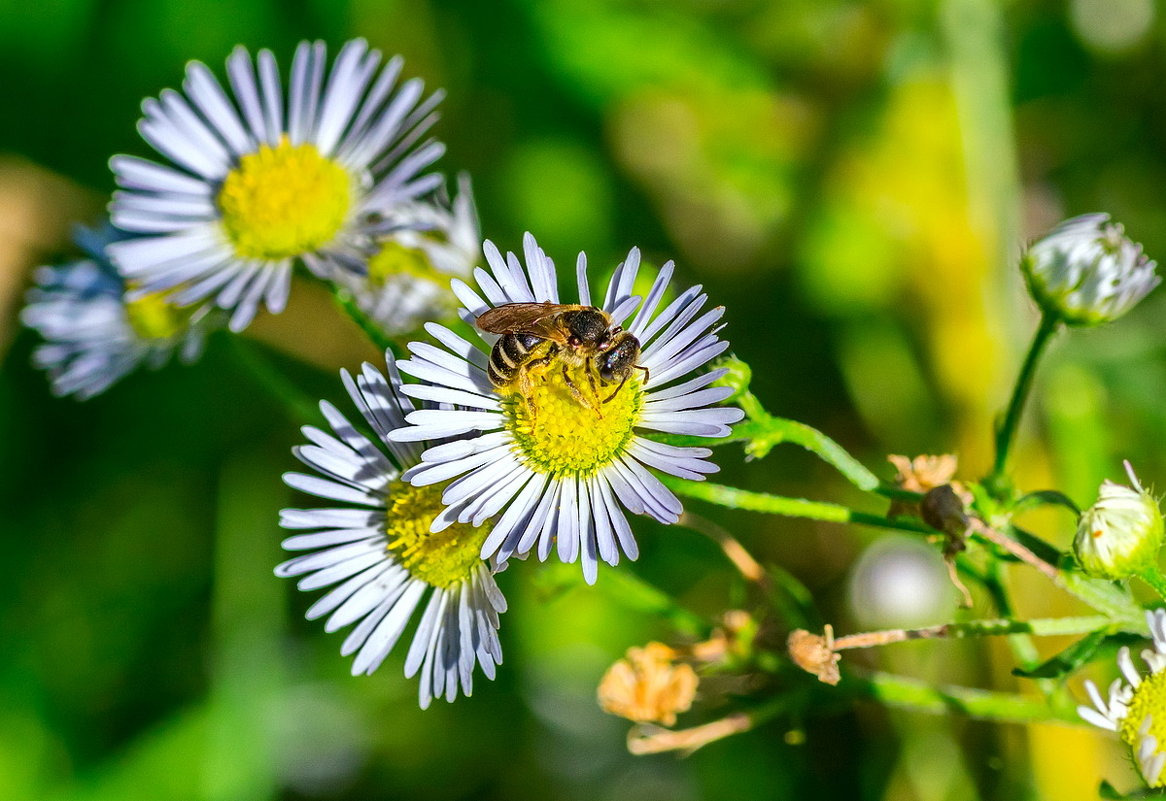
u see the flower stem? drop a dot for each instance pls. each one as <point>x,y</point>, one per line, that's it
<point>1043,627</point>
<point>1006,433</point>
<point>373,331</point>
<point>913,694</point>
<point>256,363</point>
<point>650,739</point>
<point>734,498</point>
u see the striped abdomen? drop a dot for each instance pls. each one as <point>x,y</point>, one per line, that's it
<point>510,353</point>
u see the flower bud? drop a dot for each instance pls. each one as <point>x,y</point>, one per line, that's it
<point>1120,534</point>
<point>738,375</point>
<point>1087,271</point>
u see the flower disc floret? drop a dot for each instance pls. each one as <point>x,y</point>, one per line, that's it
<point>1135,705</point>
<point>394,259</point>
<point>1146,714</point>
<point>152,317</point>
<point>440,559</point>
<point>557,433</point>
<point>284,200</point>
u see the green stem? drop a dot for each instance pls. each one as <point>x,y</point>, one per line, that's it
<point>762,431</point>
<point>1041,627</point>
<point>734,498</point>
<point>1007,431</point>
<point>908,693</point>
<point>256,363</point>
<point>373,331</point>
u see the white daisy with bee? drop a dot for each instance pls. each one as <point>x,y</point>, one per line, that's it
<point>261,178</point>
<point>95,331</point>
<point>375,550</point>
<point>555,402</point>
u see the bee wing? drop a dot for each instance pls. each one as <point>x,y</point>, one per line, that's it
<point>537,319</point>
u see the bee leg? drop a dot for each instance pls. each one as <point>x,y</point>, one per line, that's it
<point>617,389</point>
<point>524,385</point>
<point>575,392</point>
<point>647,375</point>
<point>589,368</point>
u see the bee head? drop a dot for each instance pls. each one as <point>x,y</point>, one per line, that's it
<point>617,361</point>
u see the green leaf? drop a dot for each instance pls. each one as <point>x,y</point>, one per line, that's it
<point>1108,791</point>
<point>1068,660</point>
<point>1045,498</point>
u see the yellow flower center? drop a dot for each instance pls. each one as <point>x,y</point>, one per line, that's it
<point>442,559</point>
<point>1149,699</point>
<point>394,259</point>
<point>564,427</point>
<point>284,201</point>
<point>153,318</point>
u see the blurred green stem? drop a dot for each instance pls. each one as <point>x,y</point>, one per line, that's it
<point>734,498</point>
<point>373,331</point>
<point>996,481</point>
<point>256,363</point>
<point>920,696</point>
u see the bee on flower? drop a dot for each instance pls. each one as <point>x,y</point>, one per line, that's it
<point>96,330</point>
<point>555,413</point>
<point>263,178</point>
<point>376,551</point>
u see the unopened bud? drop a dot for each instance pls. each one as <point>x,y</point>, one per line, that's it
<point>1087,271</point>
<point>738,375</point>
<point>1119,535</point>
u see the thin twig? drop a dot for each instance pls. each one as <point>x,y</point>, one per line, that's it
<point>1013,547</point>
<point>734,551</point>
<point>645,738</point>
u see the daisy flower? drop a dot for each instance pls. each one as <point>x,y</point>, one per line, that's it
<point>558,469</point>
<point>255,183</point>
<point>378,554</point>
<point>428,243</point>
<point>94,335</point>
<point>1136,704</point>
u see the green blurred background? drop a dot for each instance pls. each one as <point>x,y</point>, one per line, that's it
<point>852,180</point>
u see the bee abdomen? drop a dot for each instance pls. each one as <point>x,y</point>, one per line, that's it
<point>508,355</point>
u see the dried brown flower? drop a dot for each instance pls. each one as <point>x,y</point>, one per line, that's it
<point>814,653</point>
<point>648,685</point>
<point>925,472</point>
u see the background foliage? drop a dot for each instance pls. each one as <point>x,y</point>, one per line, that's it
<point>852,180</point>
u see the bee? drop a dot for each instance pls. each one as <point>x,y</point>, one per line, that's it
<point>535,334</point>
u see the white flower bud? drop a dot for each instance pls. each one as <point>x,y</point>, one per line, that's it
<point>1120,534</point>
<point>1087,271</point>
